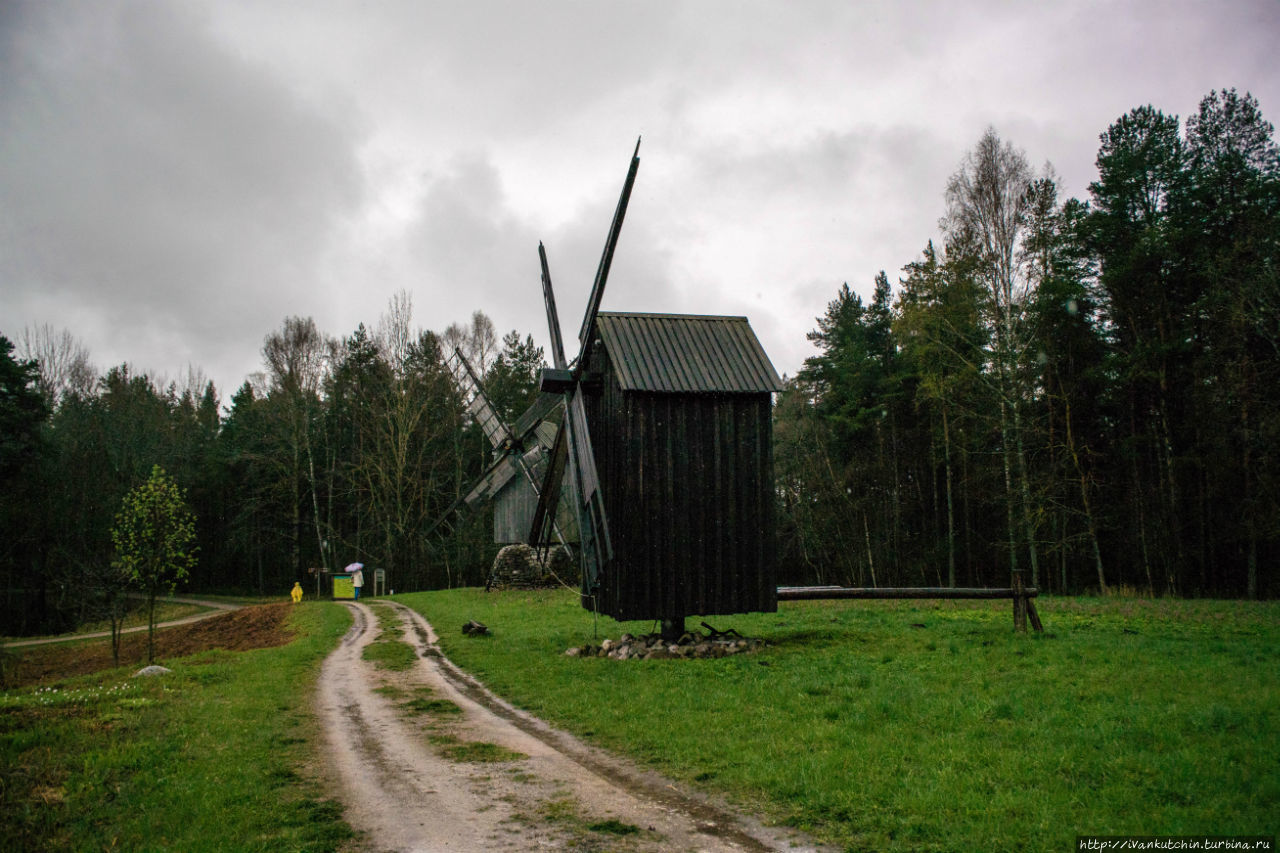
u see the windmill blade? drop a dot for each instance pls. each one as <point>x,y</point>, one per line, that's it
<point>584,480</point>
<point>593,527</point>
<point>476,401</point>
<point>543,416</point>
<point>573,451</point>
<point>553,319</point>
<point>536,430</point>
<point>555,519</point>
<point>493,479</point>
<point>511,464</point>
<point>514,460</point>
<point>587,332</point>
<point>549,509</point>
<point>580,444</point>
<point>552,486</point>
<point>496,476</point>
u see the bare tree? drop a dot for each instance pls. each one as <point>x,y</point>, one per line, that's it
<point>394,333</point>
<point>194,384</point>
<point>296,360</point>
<point>62,362</point>
<point>478,340</point>
<point>295,356</point>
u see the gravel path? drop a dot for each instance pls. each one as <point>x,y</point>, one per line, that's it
<point>428,760</point>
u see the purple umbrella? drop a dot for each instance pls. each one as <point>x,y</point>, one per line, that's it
<point>353,567</point>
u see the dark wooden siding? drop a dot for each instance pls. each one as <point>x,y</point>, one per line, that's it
<point>687,482</point>
<point>513,512</point>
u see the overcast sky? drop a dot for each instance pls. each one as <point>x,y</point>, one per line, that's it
<point>177,178</point>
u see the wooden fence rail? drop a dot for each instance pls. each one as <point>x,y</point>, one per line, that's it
<point>1024,609</point>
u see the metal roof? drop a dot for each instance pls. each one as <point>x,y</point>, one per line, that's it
<point>686,353</point>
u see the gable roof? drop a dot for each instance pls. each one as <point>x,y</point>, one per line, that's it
<point>686,353</point>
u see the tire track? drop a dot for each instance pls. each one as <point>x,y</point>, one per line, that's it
<point>404,792</point>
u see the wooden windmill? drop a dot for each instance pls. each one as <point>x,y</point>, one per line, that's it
<point>518,467</point>
<point>667,446</point>
<point>652,453</point>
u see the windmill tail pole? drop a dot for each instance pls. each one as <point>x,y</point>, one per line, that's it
<point>813,593</point>
<point>1024,608</point>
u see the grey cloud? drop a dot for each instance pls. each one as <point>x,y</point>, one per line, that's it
<point>466,250</point>
<point>158,179</point>
<point>470,251</point>
<point>178,177</point>
<point>640,277</point>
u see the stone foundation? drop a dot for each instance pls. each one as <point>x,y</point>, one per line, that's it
<point>518,567</point>
<point>652,647</point>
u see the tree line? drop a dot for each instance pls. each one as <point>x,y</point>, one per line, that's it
<point>1079,389</point>
<point>339,450</point>
<point>1083,390</point>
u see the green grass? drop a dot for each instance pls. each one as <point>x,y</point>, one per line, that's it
<point>421,701</point>
<point>422,705</point>
<point>582,832</point>
<point>204,758</point>
<point>473,751</point>
<point>389,651</point>
<point>613,826</point>
<point>1129,716</point>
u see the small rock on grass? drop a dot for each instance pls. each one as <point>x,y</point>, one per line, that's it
<point>152,670</point>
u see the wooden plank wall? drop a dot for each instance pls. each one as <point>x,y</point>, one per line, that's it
<point>513,511</point>
<point>687,480</point>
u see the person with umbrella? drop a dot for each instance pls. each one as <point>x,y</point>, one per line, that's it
<point>356,570</point>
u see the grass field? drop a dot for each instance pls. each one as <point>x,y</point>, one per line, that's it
<point>926,725</point>
<point>208,757</point>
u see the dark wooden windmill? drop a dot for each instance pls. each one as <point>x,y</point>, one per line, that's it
<point>667,447</point>
<point>518,467</point>
<point>661,465</point>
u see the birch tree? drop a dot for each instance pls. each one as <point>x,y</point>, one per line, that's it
<point>987,206</point>
<point>296,362</point>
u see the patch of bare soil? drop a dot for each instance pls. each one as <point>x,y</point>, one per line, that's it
<point>257,627</point>
<point>427,760</point>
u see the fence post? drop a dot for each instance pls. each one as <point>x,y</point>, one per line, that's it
<point>1019,603</point>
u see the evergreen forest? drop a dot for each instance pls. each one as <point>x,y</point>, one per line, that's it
<point>1083,390</point>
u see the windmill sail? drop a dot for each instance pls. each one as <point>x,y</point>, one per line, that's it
<point>584,480</point>
<point>545,458</point>
<point>606,258</point>
<point>520,451</point>
<point>475,401</point>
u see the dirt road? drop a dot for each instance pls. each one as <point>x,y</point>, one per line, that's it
<point>215,608</point>
<point>428,760</point>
